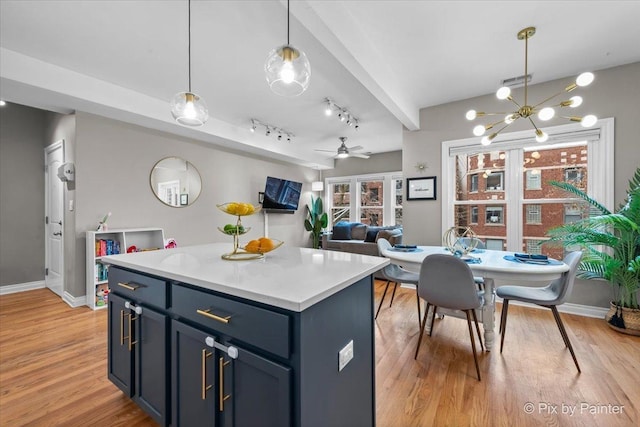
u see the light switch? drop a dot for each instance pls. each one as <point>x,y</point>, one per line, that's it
<point>71,205</point>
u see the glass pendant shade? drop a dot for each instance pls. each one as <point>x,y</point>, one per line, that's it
<point>189,109</point>
<point>288,71</point>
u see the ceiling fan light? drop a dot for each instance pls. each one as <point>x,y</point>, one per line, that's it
<point>287,71</point>
<point>478,130</point>
<point>471,115</point>
<point>342,155</point>
<point>541,136</point>
<point>503,92</point>
<point>588,120</point>
<point>189,109</point>
<point>585,79</point>
<point>546,113</point>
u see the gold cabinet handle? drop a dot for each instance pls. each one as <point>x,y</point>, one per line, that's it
<point>223,397</point>
<point>131,287</point>
<point>205,387</point>
<point>213,316</point>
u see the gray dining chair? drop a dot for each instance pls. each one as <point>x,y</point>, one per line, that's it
<point>447,281</point>
<point>396,274</point>
<point>550,296</point>
<point>477,244</point>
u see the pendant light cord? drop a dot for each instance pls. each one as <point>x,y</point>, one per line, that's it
<point>189,19</point>
<point>288,14</point>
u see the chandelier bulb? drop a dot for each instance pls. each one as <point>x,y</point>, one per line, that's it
<point>576,101</point>
<point>541,136</point>
<point>588,120</point>
<point>471,115</point>
<point>509,118</point>
<point>585,79</point>
<point>478,130</point>
<point>546,113</point>
<point>486,140</point>
<point>328,111</point>
<point>503,92</point>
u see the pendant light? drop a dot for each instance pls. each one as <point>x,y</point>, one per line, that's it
<point>287,69</point>
<point>187,107</point>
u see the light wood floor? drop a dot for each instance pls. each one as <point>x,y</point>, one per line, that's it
<point>53,370</point>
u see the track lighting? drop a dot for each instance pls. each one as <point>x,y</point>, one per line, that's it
<point>343,115</point>
<point>270,129</point>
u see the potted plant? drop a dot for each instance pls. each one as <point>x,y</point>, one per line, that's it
<point>316,220</point>
<point>611,245</point>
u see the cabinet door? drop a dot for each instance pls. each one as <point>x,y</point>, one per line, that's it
<point>194,391</point>
<point>151,368</point>
<point>258,390</point>
<point>120,357</point>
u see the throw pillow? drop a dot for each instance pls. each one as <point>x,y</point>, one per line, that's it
<point>342,231</point>
<point>372,234</point>
<point>387,234</point>
<point>358,231</point>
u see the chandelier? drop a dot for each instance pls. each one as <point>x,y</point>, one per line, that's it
<point>526,111</point>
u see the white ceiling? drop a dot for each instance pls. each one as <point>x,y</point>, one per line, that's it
<point>383,60</point>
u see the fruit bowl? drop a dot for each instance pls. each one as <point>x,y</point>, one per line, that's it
<point>233,231</point>
<point>262,246</point>
<point>239,208</point>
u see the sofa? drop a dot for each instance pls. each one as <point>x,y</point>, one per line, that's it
<point>359,238</point>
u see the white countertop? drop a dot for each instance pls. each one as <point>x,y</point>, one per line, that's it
<point>290,277</point>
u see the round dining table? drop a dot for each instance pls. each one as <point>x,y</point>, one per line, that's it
<point>489,264</point>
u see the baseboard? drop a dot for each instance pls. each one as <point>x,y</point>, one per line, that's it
<point>569,308</point>
<point>21,287</point>
<point>74,301</point>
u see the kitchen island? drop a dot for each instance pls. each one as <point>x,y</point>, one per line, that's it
<point>284,340</point>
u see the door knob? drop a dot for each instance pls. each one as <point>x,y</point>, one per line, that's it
<point>58,233</point>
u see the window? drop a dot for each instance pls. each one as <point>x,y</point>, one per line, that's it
<point>371,203</point>
<point>494,215</point>
<point>533,246</point>
<point>534,181</point>
<point>473,184</point>
<point>507,210</point>
<point>534,214</point>
<point>473,215</point>
<point>340,199</point>
<point>494,181</point>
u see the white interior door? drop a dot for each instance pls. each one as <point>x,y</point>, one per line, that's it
<point>54,213</point>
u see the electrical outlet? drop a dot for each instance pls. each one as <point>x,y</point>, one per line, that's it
<point>345,355</point>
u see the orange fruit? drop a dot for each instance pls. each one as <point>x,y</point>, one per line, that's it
<point>253,246</point>
<point>266,244</point>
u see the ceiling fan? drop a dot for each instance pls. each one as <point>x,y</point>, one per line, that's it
<point>344,151</point>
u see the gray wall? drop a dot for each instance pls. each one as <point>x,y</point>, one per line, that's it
<point>113,163</point>
<point>383,162</point>
<point>22,145</point>
<point>614,93</point>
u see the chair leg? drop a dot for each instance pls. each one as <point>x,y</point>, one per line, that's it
<point>473,344</point>
<point>503,322</point>
<point>433,319</point>
<point>395,288</point>
<point>556,316</point>
<point>382,299</point>
<point>563,331</point>
<point>422,325</point>
<point>475,319</point>
<point>418,301</point>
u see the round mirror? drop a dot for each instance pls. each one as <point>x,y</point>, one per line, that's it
<point>175,182</point>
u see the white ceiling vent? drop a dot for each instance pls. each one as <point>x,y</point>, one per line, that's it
<point>516,81</point>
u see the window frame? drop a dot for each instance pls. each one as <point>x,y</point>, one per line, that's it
<point>600,168</point>
<point>389,191</point>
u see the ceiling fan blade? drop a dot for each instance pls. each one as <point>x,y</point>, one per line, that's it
<point>357,147</point>
<point>362,156</point>
<point>326,151</point>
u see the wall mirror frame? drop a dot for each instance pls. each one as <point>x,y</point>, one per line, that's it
<point>175,182</point>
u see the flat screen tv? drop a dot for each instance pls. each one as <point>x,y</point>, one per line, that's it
<point>281,194</point>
